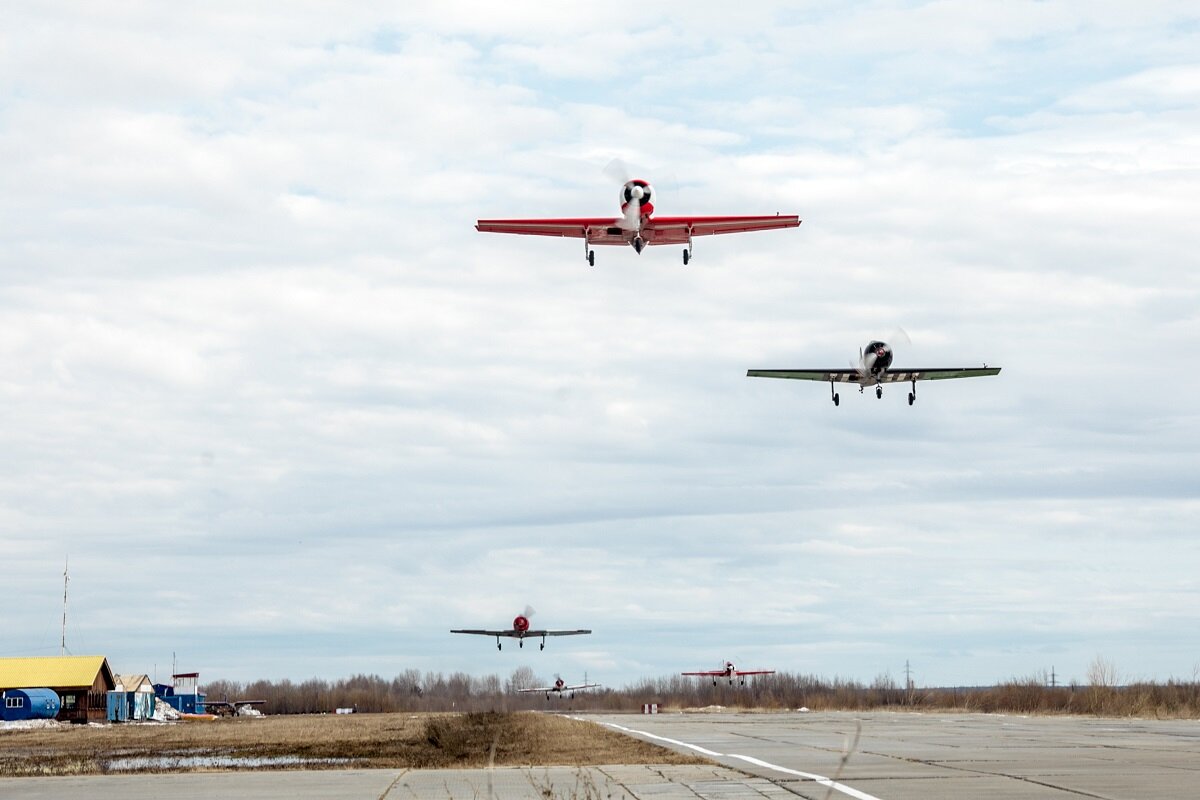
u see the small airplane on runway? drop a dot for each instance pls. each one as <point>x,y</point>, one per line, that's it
<point>874,369</point>
<point>730,672</point>
<point>521,631</point>
<point>560,686</point>
<point>637,227</point>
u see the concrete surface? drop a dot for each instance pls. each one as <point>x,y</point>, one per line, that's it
<point>905,756</point>
<point>897,757</point>
<point>506,783</point>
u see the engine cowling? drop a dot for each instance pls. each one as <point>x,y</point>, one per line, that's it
<point>640,192</point>
<point>521,623</point>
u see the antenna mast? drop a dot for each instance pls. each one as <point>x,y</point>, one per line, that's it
<point>66,579</point>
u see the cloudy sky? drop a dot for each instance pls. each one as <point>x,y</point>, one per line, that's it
<point>289,415</point>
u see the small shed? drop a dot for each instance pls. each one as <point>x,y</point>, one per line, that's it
<point>24,704</point>
<point>139,696</point>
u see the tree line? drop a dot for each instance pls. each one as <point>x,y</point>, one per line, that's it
<point>415,691</point>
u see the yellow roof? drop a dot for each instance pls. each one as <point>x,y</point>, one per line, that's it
<point>52,671</point>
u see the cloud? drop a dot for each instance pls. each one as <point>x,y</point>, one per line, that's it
<point>251,337</point>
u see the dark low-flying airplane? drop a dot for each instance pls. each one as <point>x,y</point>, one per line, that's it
<point>521,631</point>
<point>560,686</point>
<point>874,369</point>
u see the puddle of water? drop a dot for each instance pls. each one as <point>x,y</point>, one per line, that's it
<point>133,763</point>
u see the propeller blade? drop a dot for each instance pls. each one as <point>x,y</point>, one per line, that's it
<point>618,171</point>
<point>631,220</point>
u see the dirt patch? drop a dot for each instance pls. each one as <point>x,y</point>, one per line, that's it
<point>327,742</point>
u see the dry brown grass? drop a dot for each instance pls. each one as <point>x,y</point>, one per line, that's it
<point>364,740</point>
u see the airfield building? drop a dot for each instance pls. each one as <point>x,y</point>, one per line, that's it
<point>183,694</point>
<point>27,704</point>
<point>80,682</point>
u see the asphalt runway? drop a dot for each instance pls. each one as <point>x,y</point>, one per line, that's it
<point>897,757</point>
<point>621,782</point>
<point>905,756</point>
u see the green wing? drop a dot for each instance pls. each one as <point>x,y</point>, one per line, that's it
<point>891,376</point>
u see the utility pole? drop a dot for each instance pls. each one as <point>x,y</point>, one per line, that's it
<point>908,684</point>
<point>66,578</point>
<point>1053,677</point>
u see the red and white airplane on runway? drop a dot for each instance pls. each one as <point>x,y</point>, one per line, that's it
<point>560,686</point>
<point>637,227</point>
<point>521,631</point>
<point>730,671</point>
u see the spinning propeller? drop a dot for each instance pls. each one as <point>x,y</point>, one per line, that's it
<point>636,194</point>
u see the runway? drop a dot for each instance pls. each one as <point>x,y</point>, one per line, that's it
<point>905,756</point>
<point>899,756</point>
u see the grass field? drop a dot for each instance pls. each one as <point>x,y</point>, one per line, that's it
<point>327,741</point>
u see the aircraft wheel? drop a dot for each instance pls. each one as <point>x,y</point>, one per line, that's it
<point>879,392</point>
<point>912,398</point>
<point>498,647</point>
<point>837,400</point>
<point>686,257</point>
<point>591,258</point>
<point>542,646</point>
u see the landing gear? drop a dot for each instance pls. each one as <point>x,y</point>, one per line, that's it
<point>912,396</point>
<point>639,244</point>
<point>879,392</point>
<point>521,643</point>
<point>591,258</point>
<point>686,257</point>
<point>498,645</point>
<point>588,252</point>
<point>836,399</point>
<point>542,646</point>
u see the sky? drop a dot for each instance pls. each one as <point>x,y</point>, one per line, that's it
<point>289,415</point>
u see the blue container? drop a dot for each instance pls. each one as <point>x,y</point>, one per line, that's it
<point>22,704</point>
<point>118,707</point>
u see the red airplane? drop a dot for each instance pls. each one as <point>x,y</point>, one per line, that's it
<point>730,671</point>
<point>637,227</point>
<point>521,631</point>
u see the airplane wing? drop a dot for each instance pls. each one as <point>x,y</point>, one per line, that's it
<point>506,632</point>
<point>537,689</point>
<point>851,375</point>
<point>712,673</point>
<point>579,632</point>
<point>656,230</point>
<point>677,230</point>
<point>597,230</point>
<point>754,672</point>
<point>581,686</point>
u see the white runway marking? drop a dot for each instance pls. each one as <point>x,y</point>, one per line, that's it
<point>821,779</point>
